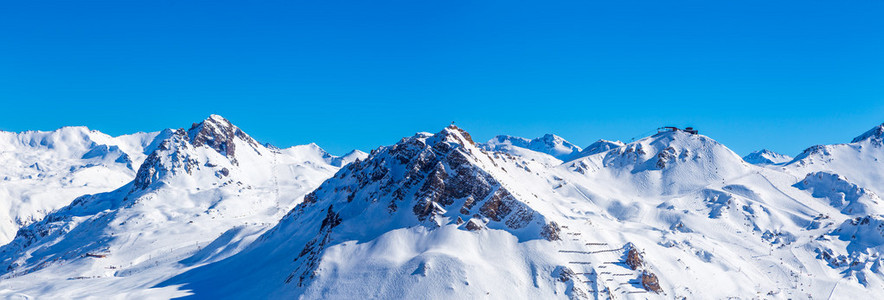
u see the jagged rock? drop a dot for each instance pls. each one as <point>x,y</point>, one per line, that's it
<point>520,218</point>
<point>633,258</point>
<point>567,276</point>
<point>650,282</point>
<point>430,174</point>
<point>331,219</point>
<point>218,133</point>
<point>223,172</point>
<point>551,231</point>
<point>665,156</point>
<point>473,225</point>
<point>464,133</point>
<point>169,157</point>
<point>497,207</point>
<point>563,274</point>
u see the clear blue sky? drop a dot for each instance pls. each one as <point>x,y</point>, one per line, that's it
<point>777,74</point>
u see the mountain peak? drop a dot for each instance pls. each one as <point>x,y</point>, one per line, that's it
<point>874,134</point>
<point>766,157</point>
<point>600,146</point>
<point>697,159</point>
<point>549,143</point>
<point>218,133</point>
<point>458,133</point>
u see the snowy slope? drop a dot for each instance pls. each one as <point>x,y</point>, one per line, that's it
<point>423,211</point>
<point>214,214</point>
<point>861,161</point>
<point>599,147</point>
<point>43,171</point>
<point>766,157</point>
<point>200,195</point>
<point>667,216</point>
<point>549,144</point>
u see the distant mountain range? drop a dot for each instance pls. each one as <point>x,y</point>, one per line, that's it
<point>209,212</point>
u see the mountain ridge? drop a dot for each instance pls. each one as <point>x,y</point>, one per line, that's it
<point>437,215</point>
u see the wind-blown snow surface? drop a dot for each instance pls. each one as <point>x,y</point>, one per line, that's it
<point>437,216</point>
<point>199,196</point>
<point>43,171</point>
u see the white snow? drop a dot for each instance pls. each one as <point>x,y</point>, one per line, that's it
<point>766,157</point>
<point>43,171</point>
<point>549,144</point>
<point>438,217</point>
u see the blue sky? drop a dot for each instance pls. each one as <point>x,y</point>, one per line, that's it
<point>782,75</point>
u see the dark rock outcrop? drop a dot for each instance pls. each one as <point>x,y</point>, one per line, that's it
<point>633,258</point>
<point>551,232</point>
<point>218,133</point>
<point>473,225</point>
<point>650,282</point>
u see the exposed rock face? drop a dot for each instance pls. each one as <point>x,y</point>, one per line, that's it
<point>650,282</point>
<point>633,258</point>
<point>312,251</point>
<point>434,175</point>
<point>551,232</point>
<point>473,225</point>
<point>173,154</point>
<point>169,157</point>
<point>564,274</point>
<point>218,133</point>
<point>864,234</point>
<point>574,284</point>
<point>442,178</point>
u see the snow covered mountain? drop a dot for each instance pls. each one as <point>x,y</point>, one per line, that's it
<point>200,194</point>
<point>766,157</point>
<point>861,161</point>
<point>43,171</point>
<point>598,147</point>
<point>213,214</point>
<point>550,144</point>
<point>667,216</point>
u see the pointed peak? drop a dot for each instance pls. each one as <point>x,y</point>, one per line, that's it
<point>218,133</point>
<point>356,153</point>
<point>353,155</point>
<point>459,135</point>
<point>548,143</point>
<point>599,147</point>
<point>766,157</point>
<point>214,120</point>
<point>217,118</point>
<point>874,134</point>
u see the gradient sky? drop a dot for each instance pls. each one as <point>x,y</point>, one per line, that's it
<point>781,75</point>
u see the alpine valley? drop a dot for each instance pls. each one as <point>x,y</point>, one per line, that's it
<point>210,212</point>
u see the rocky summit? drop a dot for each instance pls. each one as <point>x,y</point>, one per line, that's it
<point>209,212</point>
